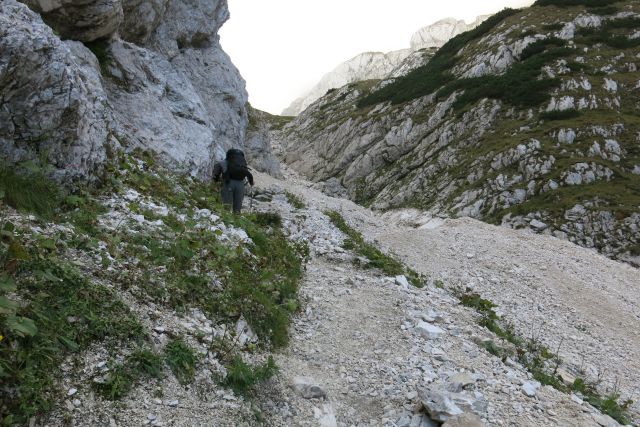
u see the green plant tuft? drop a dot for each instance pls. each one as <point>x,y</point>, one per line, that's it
<point>29,190</point>
<point>376,258</point>
<point>181,359</point>
<point>242,378</point>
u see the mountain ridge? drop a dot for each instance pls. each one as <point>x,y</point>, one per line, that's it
<point>379,65</point>
<point>497,137</point>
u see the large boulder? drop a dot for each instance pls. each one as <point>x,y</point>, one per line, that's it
<point>52,105</point>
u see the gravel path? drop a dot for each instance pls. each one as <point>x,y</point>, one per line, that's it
<point>359,343</point>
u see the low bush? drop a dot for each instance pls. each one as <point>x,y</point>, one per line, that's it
<point>519,86</point>
<point>295,201</point>
<point>64,313</point>
<point>559,115</point>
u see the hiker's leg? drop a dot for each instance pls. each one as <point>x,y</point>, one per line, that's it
<point>238,195</point>
<point>226,192</point>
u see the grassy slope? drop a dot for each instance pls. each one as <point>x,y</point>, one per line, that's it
<point>64,278</point>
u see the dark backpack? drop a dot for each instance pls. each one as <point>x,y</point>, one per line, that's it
<point>236,165</point>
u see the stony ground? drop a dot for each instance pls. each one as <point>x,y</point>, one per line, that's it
<point>360,354</point>
<point>369,350</point>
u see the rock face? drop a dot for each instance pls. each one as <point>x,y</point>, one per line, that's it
<point>83,20</point>
<point>378,65</point>
<point>153,77</point>
<point>258,144</point>
<point>550,165</point>
<point>438,33</point>
<point>365,66</point>
<point>52,100</point>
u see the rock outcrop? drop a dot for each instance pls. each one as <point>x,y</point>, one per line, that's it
<point>118,75</point>
<point>53,103</point>
<point>559,159</point>
<point>378,65</point>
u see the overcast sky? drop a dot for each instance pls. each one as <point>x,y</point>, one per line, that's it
<point>283,47</point>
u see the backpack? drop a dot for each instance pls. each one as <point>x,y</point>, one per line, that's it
<point>236,165</point>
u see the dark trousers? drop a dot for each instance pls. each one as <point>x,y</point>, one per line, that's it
<point>232,193</point>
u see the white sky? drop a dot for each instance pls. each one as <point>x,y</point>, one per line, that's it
<point>283,47</point>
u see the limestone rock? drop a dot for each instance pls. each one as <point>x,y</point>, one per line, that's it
<point>442,405</point>
<point>378,65</point>
<point>53,102</point>
<point>464,420</point>
<point>83,20</point>
<point>308,388</point>
<point>530,388</point>
<point>428,330</point>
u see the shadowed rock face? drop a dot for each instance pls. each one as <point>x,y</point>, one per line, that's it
<point>151,75</point>
<point>83,20</point>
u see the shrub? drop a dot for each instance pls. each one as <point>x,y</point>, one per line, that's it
<point>559,115</point>
<point>519,86</point>
<point>295,201</point>
<point>55,292</point>
<point>142,363</point>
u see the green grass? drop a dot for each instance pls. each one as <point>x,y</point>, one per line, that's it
<point>295,201</point>
<point>242,378</point>
<point>141,364</point>
<point>69,314</point>
<point>29,190</point>
<point>376,258</point>
<point>182,360</point>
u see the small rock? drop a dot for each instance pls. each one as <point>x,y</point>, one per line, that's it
<point>72,391</point>
<point>308,388</point>
<point>428,330</point>
<point>538,225</point>
<point>530,388</point>
<point>604,420</point>
<point>464,420</point>
<point>77,402</point>
<point>402,281</point>
<point>459,381</point>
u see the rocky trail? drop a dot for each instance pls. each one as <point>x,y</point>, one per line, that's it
<point>369,350</point>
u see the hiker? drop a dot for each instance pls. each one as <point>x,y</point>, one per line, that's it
<point>233,170</point>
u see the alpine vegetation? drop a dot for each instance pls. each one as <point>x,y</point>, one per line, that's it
<point>528,121</point>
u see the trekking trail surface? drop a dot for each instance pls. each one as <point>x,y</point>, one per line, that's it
<point>361,355</point>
